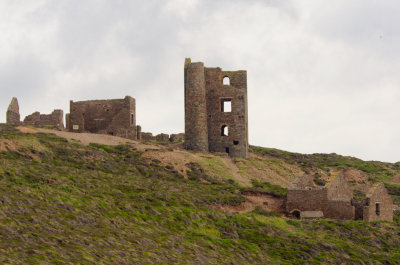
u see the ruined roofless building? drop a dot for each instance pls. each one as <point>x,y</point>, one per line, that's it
<point>215,110</point>
<point>114,116</point>
<point>13,116</point>
<point>335,200</point>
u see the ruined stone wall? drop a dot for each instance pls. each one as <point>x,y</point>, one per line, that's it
<point>205,114</point>
<point>306,200</point>
<point>138,132</point>
<point>55,119</point>
<point>339,210</point>
<point>12,115</point>
<point>147,136</point>
<point>359,208</point>
<point>339,189</point>
<point>174,138</point>
<point>162,137</point>
<point>115,117</point>
<point>379,196</point>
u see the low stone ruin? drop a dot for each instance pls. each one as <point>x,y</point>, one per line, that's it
<point>335,200</point>
<point>54,120</point>
<point>163,137</point>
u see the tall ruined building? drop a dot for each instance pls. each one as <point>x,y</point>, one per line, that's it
<point>215,110</point>
<point>13,116</point>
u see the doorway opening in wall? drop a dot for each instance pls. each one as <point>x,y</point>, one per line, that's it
<point>226,105</point>
<point>226,81</point>
<point>377,208</point>
<point>224,130</point>
<point>296,214</point>
<point>235,142</point>
<point>227,150</point>
<point>111,133</point>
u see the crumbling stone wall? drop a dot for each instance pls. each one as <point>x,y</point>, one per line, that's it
<point>175,138</point>
<point>306,199</point>
<point>339,189</point>
<point>147,136</point>
<point>162,137</point>
<point>334,200</point>
<point>55,119</point>
<point>115,117</point>
<point>12,115</point>
<point>379,204</point>
<point>209,124</point>
<point>339,209</point>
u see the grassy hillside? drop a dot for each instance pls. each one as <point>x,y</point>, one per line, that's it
<point>322,164</point>
<point>65,203</point>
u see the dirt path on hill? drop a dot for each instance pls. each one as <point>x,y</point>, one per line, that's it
<point>87,138</point>
<point>230,163</point>
<point>265,201</point>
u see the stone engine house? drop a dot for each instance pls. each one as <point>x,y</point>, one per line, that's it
<point>115,117</point>
<point>215,110</point>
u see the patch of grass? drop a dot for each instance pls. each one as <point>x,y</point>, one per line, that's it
<point>269,188</point>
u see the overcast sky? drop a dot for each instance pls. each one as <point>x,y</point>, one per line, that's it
<point>323,76</point>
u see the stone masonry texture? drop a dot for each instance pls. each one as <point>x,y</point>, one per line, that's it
<point>55,119</point>
<point>13,116</point>
<point>211,126</point>
<point>115,117</point>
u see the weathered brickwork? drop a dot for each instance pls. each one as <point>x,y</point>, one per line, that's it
<point>115,117</point>
<point>379,204</point>
<point>336,201</point>
<point>55,119</point>
<point>216,117</point>
<point>12,115</point>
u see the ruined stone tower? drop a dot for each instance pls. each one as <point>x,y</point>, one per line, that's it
<point>215,110</point>
<point>13,116</point>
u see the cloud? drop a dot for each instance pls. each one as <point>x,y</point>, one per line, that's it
<point>321,78</point>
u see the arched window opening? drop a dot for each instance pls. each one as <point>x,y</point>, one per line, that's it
<point>224,130</point>
<point>226,81</point>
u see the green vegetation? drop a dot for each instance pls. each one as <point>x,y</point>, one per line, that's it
<point>268,188</point>
<point>376,171</point>
<point>65,203</point>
